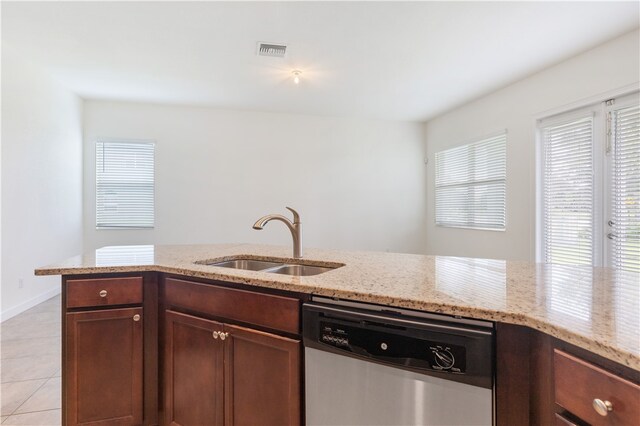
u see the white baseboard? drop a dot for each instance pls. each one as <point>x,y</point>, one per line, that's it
<point>12,312</point>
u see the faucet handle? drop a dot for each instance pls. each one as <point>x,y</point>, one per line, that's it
<point>296,216</point>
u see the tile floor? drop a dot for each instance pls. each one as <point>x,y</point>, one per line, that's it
<point>30,366</point>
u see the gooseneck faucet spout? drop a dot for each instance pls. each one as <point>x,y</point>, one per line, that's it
<point>295,227</point>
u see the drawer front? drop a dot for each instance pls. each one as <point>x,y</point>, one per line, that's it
<point>267,310</point>
<point>104,292</point>
<point>578,384</point>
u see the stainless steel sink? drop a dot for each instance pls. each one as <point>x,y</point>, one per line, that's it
<point>248,264</point>
<point>282,268</point>
<point>299,270</point>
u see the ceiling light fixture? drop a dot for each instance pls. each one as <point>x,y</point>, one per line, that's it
<point>296,76</point>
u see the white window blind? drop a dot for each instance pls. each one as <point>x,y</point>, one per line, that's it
<point>124,184</point>
<point>471,185</point>
<point>625,189</point>
<point>568,192</point>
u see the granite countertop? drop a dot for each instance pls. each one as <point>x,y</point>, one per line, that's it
<point>597,309</point>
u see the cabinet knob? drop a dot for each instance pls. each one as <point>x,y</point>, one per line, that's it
<point>136,317</point>
<point>602,407</point>
<point>216,334</point>
<point>103,293</point>
<point>224,336</point>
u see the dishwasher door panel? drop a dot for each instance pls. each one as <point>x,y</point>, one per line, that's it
<point>342,391</point>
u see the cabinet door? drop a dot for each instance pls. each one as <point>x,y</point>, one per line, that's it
<point>194,370</point>
<point>103,367</point>
<point>262,378</point>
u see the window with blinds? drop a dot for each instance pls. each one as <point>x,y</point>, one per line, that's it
<point>568,185</point>
<point>471,185</point>
<point>124,184</point>
<point>624,250</point>
<point>589,202</point>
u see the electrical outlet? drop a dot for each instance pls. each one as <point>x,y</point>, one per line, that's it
<point>20,282</point>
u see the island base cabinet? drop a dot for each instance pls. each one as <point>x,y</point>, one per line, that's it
<point>104,367</point>
<point>262,378</point>
<point>194,368</point>
<point>220,374</point>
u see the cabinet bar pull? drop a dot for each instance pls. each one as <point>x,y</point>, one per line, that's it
<point>103,293</point>
<point>602,407</point>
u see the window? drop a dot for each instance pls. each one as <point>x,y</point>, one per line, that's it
<point>471,185</point>
<point>568,191</point>
<point>624,188</point>
<point>124,184</point>
<point>589,198</point>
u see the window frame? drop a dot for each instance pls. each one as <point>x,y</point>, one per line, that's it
<point>601,166</point>
<point>486,137</point>
<point>95,181</point>
<point>595,112</point>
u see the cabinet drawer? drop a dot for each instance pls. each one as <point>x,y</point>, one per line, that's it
<point>578,383</point>
<point>267,310</point>
<point>104,292</point>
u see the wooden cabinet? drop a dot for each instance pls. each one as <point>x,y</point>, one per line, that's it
<point>596,396</point>
<point>217,373</point>
<point>104,292</point>
<point>194,371</point>
<point>250,307</point>
<point>103,367</point>
<point>545,381</point>
<point>262,378</point>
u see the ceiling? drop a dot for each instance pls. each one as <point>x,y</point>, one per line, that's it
<point>386,60</point>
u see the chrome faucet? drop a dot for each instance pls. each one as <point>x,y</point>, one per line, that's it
<point>295,227</point>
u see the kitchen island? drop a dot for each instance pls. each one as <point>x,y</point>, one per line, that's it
<point>542,313</point>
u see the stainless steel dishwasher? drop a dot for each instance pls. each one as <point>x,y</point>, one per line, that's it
<point>372,365</point>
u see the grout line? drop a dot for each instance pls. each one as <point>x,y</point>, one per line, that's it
<point>28,397</point>
<point>31,412</point>
<point>28,356</point>
<point>35,411</point>
<point>34,354</point>
<point>32,378</point>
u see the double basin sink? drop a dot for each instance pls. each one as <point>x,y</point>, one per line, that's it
<point>282,268</point>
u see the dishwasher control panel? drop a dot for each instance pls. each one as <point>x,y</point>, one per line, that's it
<point>394,347</point>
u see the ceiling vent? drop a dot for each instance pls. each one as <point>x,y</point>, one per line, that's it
<point>272,49</point>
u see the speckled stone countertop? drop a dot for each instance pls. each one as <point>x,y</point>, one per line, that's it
<point>597,309</point>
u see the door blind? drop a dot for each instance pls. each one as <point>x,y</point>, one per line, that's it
<point>625,189</point>
<point>568,192</point>
<point>471,185</point>
<point>125,184</point>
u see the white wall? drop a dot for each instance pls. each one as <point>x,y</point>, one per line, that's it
<point>358,184</point>
<point>41,181</point>
<point>598,71</point>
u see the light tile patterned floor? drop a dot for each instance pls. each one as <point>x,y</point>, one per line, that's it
<point>30,366</point>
